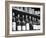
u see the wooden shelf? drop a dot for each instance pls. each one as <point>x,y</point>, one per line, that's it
<point>25,13</point>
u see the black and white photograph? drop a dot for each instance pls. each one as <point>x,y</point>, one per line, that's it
<point>25,18</point>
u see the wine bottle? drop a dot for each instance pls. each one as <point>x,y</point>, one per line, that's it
<point>29,17</point>
<point>19,25</point>
<point>30,25</point>
<point>33,11</point>
<point>27,20</point>
<point>27,23</point>
<point>14,25</point>
<point>18,15</point>
<point>27,26</point>
<point>23,25</point>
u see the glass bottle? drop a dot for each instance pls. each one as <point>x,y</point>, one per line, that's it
<point>27,23</point>
<point>26,18</point>
<point>23,25</point>
<point>29,17</point>
<point>14,24</point>
<point>30,25</point>
<point>33,11</point>
<point>19,25</point>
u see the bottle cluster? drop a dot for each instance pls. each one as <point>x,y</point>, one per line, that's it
<point>21,22</point>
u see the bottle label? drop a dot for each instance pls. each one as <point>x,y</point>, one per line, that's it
<point>27,26</point>
<point>14,25</point>
<point>19,28</point>
<point>23,27</point>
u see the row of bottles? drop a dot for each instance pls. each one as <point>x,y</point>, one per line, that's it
<point>29,10</point>
<point>23,22</point>
<point>22,26</point>
<point>24,17</point>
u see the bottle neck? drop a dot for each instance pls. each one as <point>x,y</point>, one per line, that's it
<point>13,19</point>
<point>30,22</point>
<point>18,22</point>
<point>23,22</point>
<point>27,20</point>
